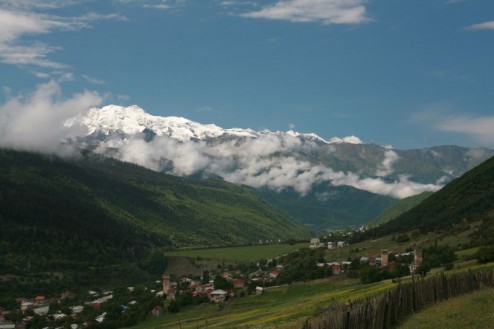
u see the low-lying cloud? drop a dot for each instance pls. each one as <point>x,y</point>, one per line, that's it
<point>272,161</point>
<point>35,122</point>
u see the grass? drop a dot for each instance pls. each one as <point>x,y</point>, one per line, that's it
<point>475,310</point>
<point>289,306</point>
<point>230,255</point>
<point>284,307</point>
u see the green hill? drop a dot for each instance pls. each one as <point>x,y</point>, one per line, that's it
<point>60,214</point>
<point>466,199</point>
<point>399,207</point>
<point>329,206</point>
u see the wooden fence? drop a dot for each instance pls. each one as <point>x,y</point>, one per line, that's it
<point>389,309</point>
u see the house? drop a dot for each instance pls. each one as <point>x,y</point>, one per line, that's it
<point>335,266</point>
<point>100,318</point>
<point>57,316</point>
<point>346,264</point>
<point>26,306</point>
<point>364,259</point>
<point>157,311</point>
<point>7,325</point>
<point>238,283</point>
<point>67,294</point>
<point>274,273</point>
<point>259,290</point>
<point>330,245</point>
<point>42,310</point>
<point>77,309</point>
<point>314,243</point>
<point>218,296</point>
<point>340,244</point>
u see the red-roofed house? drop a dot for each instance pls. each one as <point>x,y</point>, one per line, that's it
<point>274,273</point>
<point>238,283</point>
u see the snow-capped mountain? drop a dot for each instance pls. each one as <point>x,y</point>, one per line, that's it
<point>133,120</point>
<point>276,160</point>
<point>293,170</point>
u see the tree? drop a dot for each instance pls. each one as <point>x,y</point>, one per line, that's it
<point>173,307</point>
<point>221,283</point>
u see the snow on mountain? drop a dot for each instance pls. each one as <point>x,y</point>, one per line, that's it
<point>133,119</point>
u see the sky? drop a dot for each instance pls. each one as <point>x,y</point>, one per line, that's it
<point>410,73</point>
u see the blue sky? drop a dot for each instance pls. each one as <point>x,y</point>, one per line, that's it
<point>411,73</point>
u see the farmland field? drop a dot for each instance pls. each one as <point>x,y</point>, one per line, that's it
<point>239,254</point>
<point>283,307</point>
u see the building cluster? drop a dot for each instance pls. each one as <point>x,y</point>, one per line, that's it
<point>381,261</point>
<point>384,262</point>
<point>197,288</point>
<point>316,243</point>
<point>42,306</point>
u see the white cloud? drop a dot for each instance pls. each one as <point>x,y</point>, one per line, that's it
<point>386,168</point>
<point>481,26</point>
<point>16,22</point>
<point>325,11</point>
<point>34,122</point>
<point>480,128</point>
<point>40,4</point>
<point>161,6</point>
<point>93,80</point>
<point>273,161</point>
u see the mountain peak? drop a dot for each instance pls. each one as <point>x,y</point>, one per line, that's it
<point>133,119</point>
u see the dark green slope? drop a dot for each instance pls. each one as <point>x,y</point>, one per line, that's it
<point>469,197</point>
<point>399,207</point>
<point>327,206</point>
<point>101,208</point>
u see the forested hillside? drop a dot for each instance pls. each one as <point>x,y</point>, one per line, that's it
<point>69,214</point>
<point>466,199</point>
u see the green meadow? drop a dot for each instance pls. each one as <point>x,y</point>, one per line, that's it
<point>475,310</point>
<point>283,307</point>
<point>230,255</point>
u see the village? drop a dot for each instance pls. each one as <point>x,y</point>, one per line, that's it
<point>126,306</point>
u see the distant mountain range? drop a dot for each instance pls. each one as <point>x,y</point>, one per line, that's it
<point>324,183</point>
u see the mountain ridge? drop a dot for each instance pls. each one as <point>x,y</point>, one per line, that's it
<point>133,120</point>
<point>279,161</point>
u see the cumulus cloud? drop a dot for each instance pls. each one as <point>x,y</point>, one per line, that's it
<point>325,11</point>
<point>481,26</point>
<point>480,128</point>
<point>34,122</point>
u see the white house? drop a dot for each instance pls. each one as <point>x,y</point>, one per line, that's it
<point>218,296</point>
<point>42,310</point>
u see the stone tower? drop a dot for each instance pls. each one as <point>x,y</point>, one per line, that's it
<point>417,258</point>
<point>166,284</point>
<point>384,257</point>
